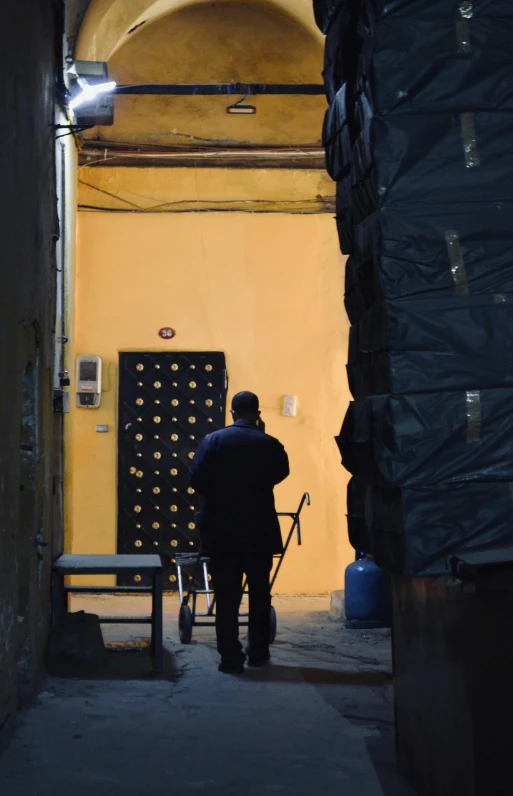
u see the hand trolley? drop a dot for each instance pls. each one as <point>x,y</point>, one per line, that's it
<point>191,617</point>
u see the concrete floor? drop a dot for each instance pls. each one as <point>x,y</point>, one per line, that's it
<point>318,721</point>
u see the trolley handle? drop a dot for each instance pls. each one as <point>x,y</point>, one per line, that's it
<point>305,499</point>
<point>294,515</point>
<point>296,526</point>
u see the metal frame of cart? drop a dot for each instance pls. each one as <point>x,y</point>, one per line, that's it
<point>189,618</point>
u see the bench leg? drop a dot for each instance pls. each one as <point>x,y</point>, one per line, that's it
<point>59,600</point>
<point>157,630</point>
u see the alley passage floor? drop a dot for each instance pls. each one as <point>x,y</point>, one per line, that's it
<point>318,721</point>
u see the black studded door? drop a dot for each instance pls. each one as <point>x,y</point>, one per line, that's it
<point>167,404</point>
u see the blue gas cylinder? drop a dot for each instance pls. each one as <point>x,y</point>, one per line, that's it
<point>367,594</point>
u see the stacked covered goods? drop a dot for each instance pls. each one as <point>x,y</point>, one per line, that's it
<point>418,139</point>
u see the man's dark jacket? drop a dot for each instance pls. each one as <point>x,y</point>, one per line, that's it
<point>236,470</point>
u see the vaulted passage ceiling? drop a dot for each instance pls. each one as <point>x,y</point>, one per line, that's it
<point>175,41</point>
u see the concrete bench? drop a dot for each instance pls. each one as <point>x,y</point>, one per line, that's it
<point>112,565</point>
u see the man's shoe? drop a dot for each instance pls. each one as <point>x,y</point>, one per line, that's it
<point>257,661</point>
<point>229,667</point>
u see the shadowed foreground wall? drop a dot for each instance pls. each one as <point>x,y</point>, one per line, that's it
<point>27,277</point>
<point>264,288</point>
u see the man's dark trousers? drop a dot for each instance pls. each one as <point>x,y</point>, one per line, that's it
<point>227,575</point>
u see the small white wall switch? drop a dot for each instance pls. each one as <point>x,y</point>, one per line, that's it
<point>102,429</point>
<point>289,405</point>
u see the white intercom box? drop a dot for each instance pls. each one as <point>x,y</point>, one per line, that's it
<point>89,381</point>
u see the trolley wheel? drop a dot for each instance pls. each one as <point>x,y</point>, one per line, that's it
<point>272,633</point>
<point>185,624</point>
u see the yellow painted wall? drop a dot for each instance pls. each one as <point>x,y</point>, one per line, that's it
<point>267,289</point>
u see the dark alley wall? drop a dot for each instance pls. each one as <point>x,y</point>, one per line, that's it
<point>28,229</point>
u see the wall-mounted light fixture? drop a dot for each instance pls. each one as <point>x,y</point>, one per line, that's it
<point>241,108</point>
<point>90,92</point>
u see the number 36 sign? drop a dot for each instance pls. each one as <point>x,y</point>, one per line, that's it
<point>167,333</point>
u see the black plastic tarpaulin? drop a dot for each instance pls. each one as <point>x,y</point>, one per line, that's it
<point>413,65</point>
<point>436,9</point>
<point>347,135</point>
<point>466,156</point>
<point>407,62</point>
<point>446,342</point>
<point>336,139</point>
<point>342,50</point>
<point>418,139</point>
<point>376,10</point>
<point>407,251</point>
<point>356,523</point>
<point>415,530</point>
<point>325,11</point>
<point>360,293</point>
<point>430,438</point>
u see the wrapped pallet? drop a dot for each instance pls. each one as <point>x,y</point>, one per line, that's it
<point>414,530</point>
<point>417,137</point>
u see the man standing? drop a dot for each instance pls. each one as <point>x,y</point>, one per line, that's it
<point>236,470</point>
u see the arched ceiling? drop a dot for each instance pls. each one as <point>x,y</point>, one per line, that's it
<point>108,22</point>
<point>207,41</point>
